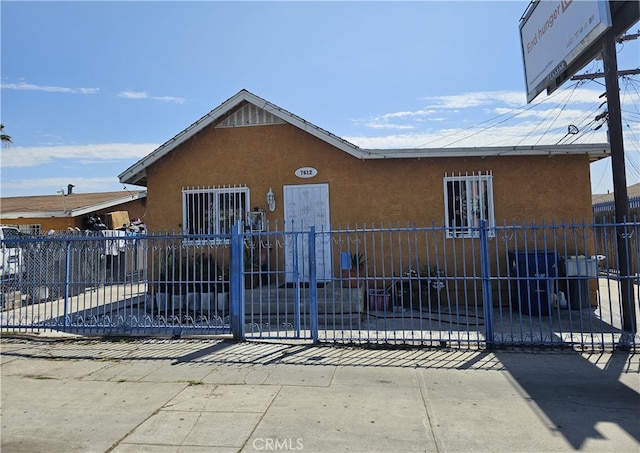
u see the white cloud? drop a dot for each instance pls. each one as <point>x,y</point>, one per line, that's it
<point>173,99</point>
<point>439,105</point>
<point>477,99</point>
<point>514,99</point>
<point>523,133</point>
<point>39,155</point>
<point>53,186</point>
<point>127,94</point>
<point>48,88</point>
<point>392,120</point>
<point>551,114</point>
<point>490,119</point>
<point>49,186</point>
<point>417,113</point>
<point>376,124</point>
<point>144,95</point>
<point>133,95</point>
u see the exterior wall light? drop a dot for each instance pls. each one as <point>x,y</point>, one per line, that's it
<point>271,200</point>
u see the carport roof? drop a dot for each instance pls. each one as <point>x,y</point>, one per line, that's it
<point>71,205</point>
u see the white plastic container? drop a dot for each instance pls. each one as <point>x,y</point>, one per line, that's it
<point>581,267</point>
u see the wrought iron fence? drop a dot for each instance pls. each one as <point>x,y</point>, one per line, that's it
<point>515,285</point>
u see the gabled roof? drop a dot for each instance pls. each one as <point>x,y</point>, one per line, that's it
<point>71,205</point>
<point>137,173</point>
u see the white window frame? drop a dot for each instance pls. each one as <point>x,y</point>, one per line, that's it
<point>468,199</point>
<point>216,215</point>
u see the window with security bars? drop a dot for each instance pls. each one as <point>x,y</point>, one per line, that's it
<point>468,199</point>
<point>214,210</point>
<point>31,229</point>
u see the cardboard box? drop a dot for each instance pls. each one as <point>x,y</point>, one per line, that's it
<point>117,219</point>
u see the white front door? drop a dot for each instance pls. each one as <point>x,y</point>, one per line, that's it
<point>307,205</point>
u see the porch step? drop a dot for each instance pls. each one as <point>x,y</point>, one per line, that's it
<point>337,306</point>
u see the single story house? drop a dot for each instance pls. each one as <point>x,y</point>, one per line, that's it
<point>39,214</point>
<point>249,153</point>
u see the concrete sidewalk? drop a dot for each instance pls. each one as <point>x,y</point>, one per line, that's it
<point>219,396</point>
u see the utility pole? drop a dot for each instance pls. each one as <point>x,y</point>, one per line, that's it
<point>621,199</point>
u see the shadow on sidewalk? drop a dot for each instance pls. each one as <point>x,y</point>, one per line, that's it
<point>578,392</point>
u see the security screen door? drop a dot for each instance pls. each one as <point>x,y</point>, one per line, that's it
<point>307,205</point>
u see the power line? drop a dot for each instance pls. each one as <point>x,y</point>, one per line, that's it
<point>511,115</point>
<point>598,75</point>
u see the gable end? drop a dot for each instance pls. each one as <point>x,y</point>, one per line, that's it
<point>250,115</point>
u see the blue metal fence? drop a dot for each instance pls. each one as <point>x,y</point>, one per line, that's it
<point>552,285</point>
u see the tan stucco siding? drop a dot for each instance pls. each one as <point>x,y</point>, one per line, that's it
<point>399,190</point>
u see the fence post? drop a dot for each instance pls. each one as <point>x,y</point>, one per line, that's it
<point>313,287</point>
<point>296,271</point>
<point>236,288</point>
<point>487,296</point>
<point>67,276</point>
<point>627,280</point>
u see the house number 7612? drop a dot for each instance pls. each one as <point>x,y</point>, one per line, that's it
<point>306,172</point>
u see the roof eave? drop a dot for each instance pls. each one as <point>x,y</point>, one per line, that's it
<point>595,151</point>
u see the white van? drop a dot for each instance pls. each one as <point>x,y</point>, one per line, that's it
<point>11,258</point>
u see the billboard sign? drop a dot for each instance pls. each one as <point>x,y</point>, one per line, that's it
<point>554,34</point>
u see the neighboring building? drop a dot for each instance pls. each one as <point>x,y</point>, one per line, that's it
<point>41,213</point>
<point>604,210</point>
<point>225,164</point>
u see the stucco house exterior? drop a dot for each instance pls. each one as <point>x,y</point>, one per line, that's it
<point>231,160</point>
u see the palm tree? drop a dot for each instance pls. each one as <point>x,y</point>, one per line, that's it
<point>6,139</point>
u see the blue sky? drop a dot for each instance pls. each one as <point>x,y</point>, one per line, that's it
<point>89,88</point>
